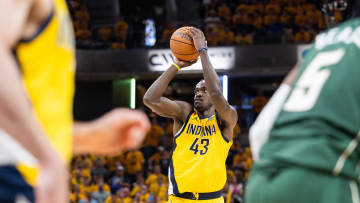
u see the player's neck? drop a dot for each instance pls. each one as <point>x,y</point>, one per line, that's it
<point>208,112</point>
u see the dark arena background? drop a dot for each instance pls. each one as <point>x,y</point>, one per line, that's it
<point>123,46</point>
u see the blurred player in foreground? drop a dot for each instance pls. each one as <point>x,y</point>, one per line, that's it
<point>202,134</point>
<point>36,91</point>
<point>305,142</point>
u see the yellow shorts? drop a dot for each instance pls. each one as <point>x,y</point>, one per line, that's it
<point>174,199</point>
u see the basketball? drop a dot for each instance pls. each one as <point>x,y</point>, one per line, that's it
<point>182,46</point>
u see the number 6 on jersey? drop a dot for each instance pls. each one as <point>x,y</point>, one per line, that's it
<point>309,85</point>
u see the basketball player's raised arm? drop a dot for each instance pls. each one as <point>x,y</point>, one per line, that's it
<point>212,82</point>
<point>161,105</point>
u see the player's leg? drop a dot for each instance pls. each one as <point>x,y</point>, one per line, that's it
<point>295,184</point>
<point>13,187</point>
<point>257,183</point>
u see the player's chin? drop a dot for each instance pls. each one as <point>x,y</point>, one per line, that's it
<point>198,107</point>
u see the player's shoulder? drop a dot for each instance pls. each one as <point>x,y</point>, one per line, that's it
<point>346,33</point>
<point>186,109</point>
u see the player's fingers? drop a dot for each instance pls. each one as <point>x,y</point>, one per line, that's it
<point>193,61</point>
<point>144,122</point>
<point>126,116</point>
<point>191,33</point>
<point>137,136</point>
<point>194,32</point>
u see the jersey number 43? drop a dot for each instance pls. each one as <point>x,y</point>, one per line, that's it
<point>195,146</point>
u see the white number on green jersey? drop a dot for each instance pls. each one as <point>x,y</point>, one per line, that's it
<point>308,87</point>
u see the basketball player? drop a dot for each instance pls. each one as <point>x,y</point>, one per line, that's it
<point>305,142</point>
<point>202,134</point>
<point>37,67</point>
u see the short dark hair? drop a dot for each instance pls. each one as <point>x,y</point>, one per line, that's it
<point>203,80</point>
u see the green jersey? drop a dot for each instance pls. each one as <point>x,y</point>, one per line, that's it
<point>318,126</point>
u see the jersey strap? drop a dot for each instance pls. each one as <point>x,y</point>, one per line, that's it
<point>219,124</point>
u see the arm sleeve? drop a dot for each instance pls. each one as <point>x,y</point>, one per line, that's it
<point>260,130</point>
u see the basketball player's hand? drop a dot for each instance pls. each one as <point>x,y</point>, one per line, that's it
<point>119,130</point>
<point>183,64</point>
<point>52,185</point>
<point>198,37</point>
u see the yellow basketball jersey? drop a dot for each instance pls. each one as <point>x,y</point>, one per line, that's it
<point>199,154</point>
<point>47,63</point>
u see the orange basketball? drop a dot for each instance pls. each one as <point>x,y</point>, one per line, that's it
<point>182,46</point>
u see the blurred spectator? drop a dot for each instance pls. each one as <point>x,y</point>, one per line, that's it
<point>82,14</point>
<point>302,37</point>
<point>167,32</point>
<point>300,19</point>
<point>258,7</point>
<point>236,131</point>
<point>167,140</point>
<point>161,190</point>
<point>235,189</point>
<point>161,158</point>
<point>99,181</point>
<point>212,36</point>
<point>144,196</point>
<point>82,32</point>
<point>153,137</point>
<point>153,177</point>
<point>259,102</point>
<point>273,8</point>
<point>75,195</point>
<point>285,18</point>
<point>119,178</point>
<point>224,11</point>
<point>238,18</point>
<point>121,28</point>
<point>126,195</point>
<point>288,36</point>
<point>243,39</point>
<point>112,162</point>
<point>239,158</point>
<point>99,169</point>
<point>119,44</point>
<point>100,195</point>
<point>103,37</point>
<point>134,161</point>
<point>137,186</point>
<point>76,177</point>
<point>88,199</point>
<point>120,196</point>
<point>226,36</point>
<point>113,198</point>
<point>270,19</point>
<point>86,186</point>
<point>120,32</point>
<point>211,20</point>
<point>73,5</point>
<point>257,21</point>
